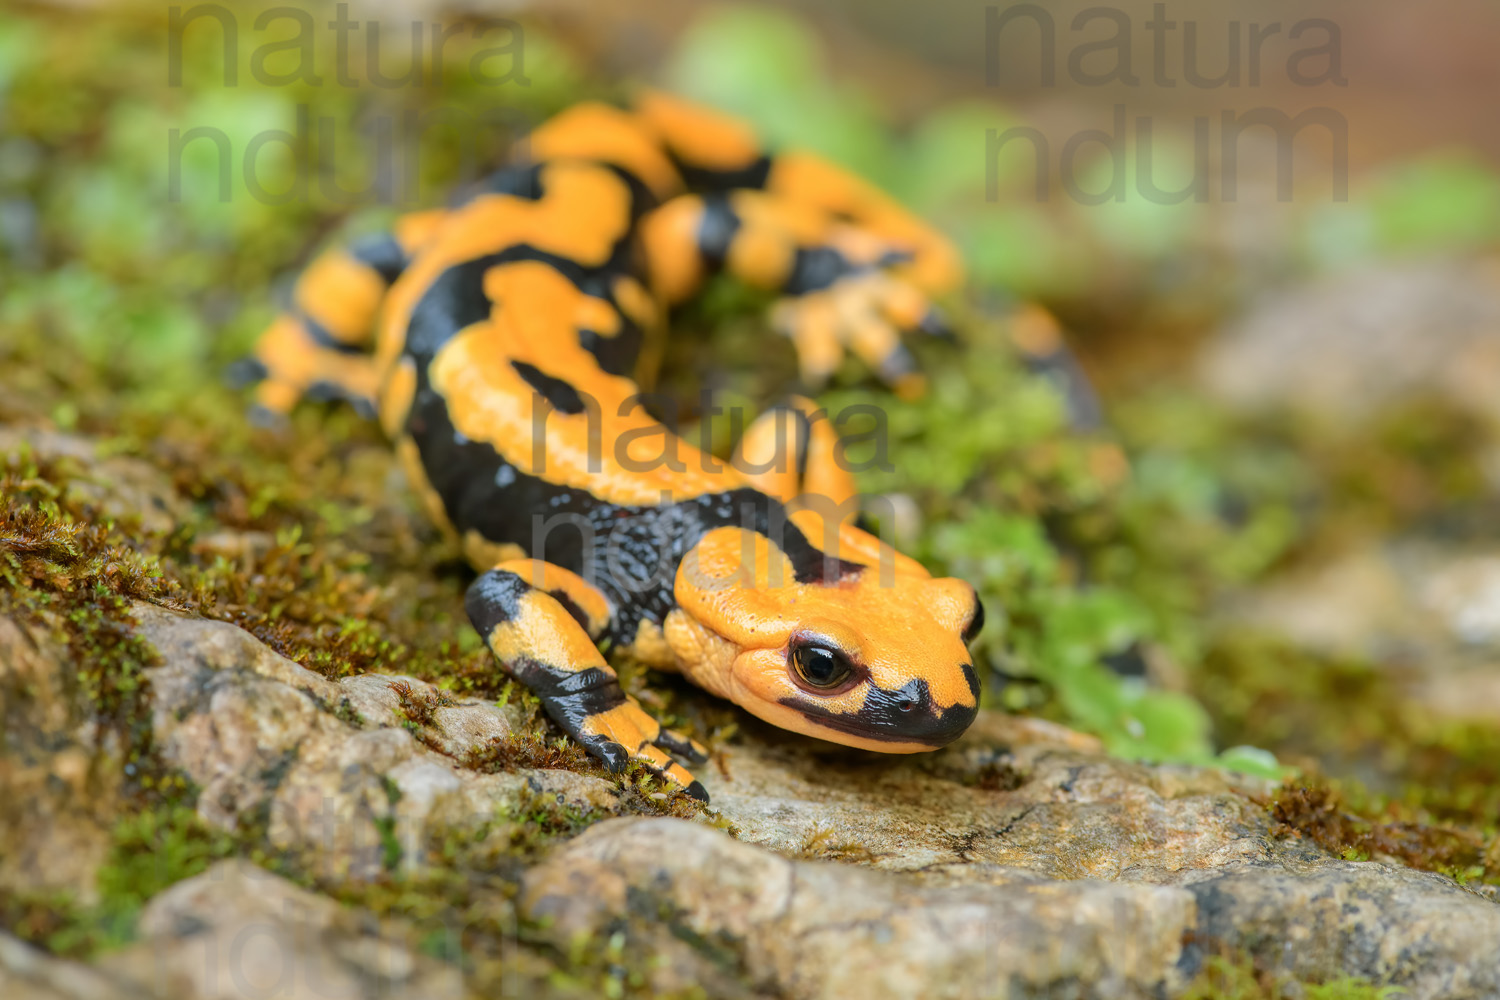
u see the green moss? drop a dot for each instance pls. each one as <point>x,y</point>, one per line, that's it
<point>64,570</point>
<point>1324,815</point>
<point>1239,979</point>
<point>151,850</point>
<point>1431,788</point>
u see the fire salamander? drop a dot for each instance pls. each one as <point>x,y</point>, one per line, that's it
<point>495,340</point>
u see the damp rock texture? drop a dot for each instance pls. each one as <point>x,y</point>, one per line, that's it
<point>1023,861</point>
<point>336,774</point>
<point>1020,863</point>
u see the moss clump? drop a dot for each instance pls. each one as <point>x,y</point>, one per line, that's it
<point>1432,787</point>
<point>1321,814</point>
<point>820,845</point>
<point>534,750</point>
<point>151,850</point>
<point>64,569</point>
<point>1239,978</point>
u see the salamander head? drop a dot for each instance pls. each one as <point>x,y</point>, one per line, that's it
<point>858,657</point>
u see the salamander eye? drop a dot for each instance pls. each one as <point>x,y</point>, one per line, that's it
<point>820,666</point>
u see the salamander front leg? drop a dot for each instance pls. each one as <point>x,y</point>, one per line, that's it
<point>537,619</point>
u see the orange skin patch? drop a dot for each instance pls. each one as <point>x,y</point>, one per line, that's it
<point>651,647</point>
<point>585,213</point>
<point>554,579</point>
<point>601,133</point>
<point>396,397</point>
<point>850,543</point>
<point>669,237</point>
<point>696,134</point>
<point>342,294</point>
<point>416,229</point>
<point>541,632</point>
<point>768,457</point>
<point>295,363</point>
<point>483,553</point>
<point>1035,331</point>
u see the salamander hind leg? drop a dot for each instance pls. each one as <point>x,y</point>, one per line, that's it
<point>320,346</point>
<point>844,288</point>
<point>537,619</point>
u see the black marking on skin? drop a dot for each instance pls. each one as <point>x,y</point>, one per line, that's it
<point>716,230</point>
<point>324,391</point>
<point>262,416</point>
<point>456,298</point>
<point>752,176</point>
<point>1062,368</point>
<point>934,324</point>
<point>590,691</point>
<point>972,679</point>
<point>323,337</point>
<point>614,756</point>
<point>246,372</point>
<point>382,254</point>
<point>898,364</point>
<point>483,492</point>
<point>814,269</point>
<point>572,697</point>
<point>804,449</point>
<point>804,443</point>
<point>494,601</point>
<point>519,180</point>
<point>616,355</point>
<point>681,746</point>
<point>562,396</point>
<point>975,623</point>
<point>571,607</point>
<point>642,198</point>
<point>907,715</point>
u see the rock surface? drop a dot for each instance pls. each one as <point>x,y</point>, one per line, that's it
<point>330,769</point>
<point>1021,857</point>
<point>1023,861</point>
<point>1427,609</point>
<point>1346,346</point>
<point>115,486</point>
<point>237,931</point>
<point>65,769</point>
